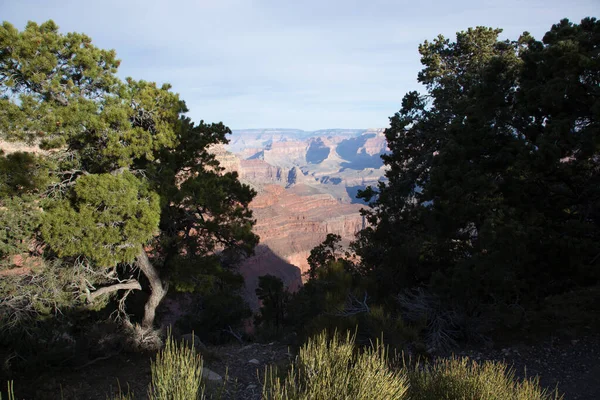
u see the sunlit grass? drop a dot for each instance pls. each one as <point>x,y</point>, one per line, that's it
<point>331,369</point>
<point>461,378</point>
<point>176,373</point>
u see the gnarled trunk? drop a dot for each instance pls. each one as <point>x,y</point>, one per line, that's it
<point>158,291</point>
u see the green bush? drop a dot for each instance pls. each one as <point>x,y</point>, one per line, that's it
<point>461,379</point>
<point>331,369</point>
<point>211,316</point>
<point>369,326</point>
<point>328,367</point>
<point>176,373</point>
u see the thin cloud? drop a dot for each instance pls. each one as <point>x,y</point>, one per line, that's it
<point>311,64</point>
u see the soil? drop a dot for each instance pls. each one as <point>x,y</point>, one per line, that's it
<point>572,365</point>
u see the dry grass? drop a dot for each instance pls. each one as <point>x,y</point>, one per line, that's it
<point>458,379</point>
<point>331,369</point>
<point>176,373</point>
<point>10,391</point>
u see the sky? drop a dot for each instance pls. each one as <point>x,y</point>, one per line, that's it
<point>305,64</point>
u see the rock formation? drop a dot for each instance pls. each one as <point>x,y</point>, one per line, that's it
<point>290,223</point>
<point>306,184</point>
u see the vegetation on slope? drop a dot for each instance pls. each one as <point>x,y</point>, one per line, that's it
<point>332,368</point>
<point>123,196</point>
<point>491,204</point>
<point>490,213</point>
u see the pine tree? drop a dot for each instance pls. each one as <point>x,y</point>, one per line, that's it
<point>121,180</point>
<point>492,188</point>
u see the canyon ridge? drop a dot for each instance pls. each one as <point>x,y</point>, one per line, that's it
<point>307,184</point>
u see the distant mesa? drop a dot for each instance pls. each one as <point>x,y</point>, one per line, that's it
<point>317,152</point>
<point>307,184</point>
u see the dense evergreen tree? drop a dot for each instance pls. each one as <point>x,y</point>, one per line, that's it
<point>121,179</point>
<point>323,254</point>
<point>274,299</point>
<point>493,186</point>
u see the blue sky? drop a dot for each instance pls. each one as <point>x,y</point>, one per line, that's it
<point>307,64</point>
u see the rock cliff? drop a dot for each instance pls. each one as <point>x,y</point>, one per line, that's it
<point>290,223</point>
<point>306,184</point>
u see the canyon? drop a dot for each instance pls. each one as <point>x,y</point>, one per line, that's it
<point>306,184</point>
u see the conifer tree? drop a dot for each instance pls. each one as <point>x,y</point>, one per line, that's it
<point>121,180</point>
<point>494,173</point>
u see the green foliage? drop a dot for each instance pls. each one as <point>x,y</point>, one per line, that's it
<point>323,254</point>
<point>22,173</point>
<point>123,172</point>
<point>274,299</point>
<point>213,315</point>
<point>367,327</point>
<point>337,299</point>
<point>500,153</point>
<point>176,373</point>
<point>568,313</point>
<point>456,379</point>
<point>324,294</point>
<point>331,369</point>
<point>19,217</point>
<point>105,220</point>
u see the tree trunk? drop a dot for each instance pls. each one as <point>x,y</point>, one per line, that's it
<point>158,290</point>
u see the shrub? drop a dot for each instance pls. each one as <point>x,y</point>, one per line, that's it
<point>369,326</point>
<point>212,316</point>
<point>331,369</point>
<point>176,373</point>
<point>442,326</point>
<point>464,379</point>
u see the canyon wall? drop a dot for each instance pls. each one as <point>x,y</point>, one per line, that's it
<point>306,184</point>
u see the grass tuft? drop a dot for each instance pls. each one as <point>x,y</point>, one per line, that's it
<point>10,390</point>
<point>331,369</point>
<point>176,373</point>
<point>461,378</point>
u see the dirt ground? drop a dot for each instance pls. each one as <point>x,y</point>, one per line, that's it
<point>573,365</point>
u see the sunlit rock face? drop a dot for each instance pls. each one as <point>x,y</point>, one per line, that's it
<point>306,184</point>
<point>290,223</point>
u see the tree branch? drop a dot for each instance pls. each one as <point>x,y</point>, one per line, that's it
<point>129,285</point>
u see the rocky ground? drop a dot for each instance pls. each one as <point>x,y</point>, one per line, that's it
<point>237,370</point>
<point>571,365</point>
<point>245,366</point>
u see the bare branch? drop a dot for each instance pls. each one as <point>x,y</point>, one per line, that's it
<point>354,306</point>
<point>235,334</point>
<point>129,285</point>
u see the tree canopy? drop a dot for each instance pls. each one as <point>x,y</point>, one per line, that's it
<point>118,178</point>
<point>493,187</point>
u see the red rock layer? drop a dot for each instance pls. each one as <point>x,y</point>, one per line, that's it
<point>290,223</point>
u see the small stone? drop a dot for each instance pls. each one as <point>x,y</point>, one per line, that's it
<point>211,375</point>
<point>254,361</point>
